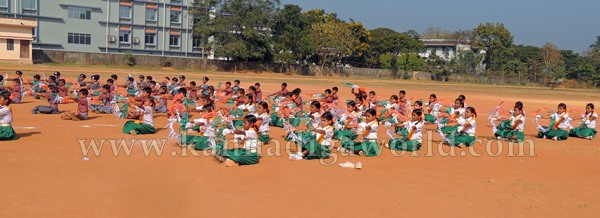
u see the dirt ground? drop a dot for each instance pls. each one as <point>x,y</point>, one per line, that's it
<point>44,173</point>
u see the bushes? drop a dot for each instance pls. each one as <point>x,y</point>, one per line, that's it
<point>129,59</point>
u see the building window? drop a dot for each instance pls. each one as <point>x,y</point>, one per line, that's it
<point>10,44</point>
<point>176,2</point>
<point>3,5</point>
<point>124,36</point>
<point>125,11</point>
<point>79,38</point>
<point>29,4</point>
<point>197,43</point>
<point>80,13</point>
<point>174,40</point>
<point>150,39</point>
<point>34,32</point>
<point>175,15</point>
<point>150,14</point>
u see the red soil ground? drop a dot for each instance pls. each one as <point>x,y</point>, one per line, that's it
<point>44,173</point>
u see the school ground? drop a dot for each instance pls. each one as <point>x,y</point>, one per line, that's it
<point>45,174</point>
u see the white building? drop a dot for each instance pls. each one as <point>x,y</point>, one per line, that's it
<point>444,48</point>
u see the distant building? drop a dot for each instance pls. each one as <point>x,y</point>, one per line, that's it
<point>444,48</point>
<point>15,40</point>
<point>152,27</point>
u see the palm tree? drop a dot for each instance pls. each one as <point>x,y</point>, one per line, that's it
<point>596,45</point>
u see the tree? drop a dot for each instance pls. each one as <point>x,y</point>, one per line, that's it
<point>362,37</point>
<point>553,61</point>
<point>333,39</point>
<point>595,49</point>
<point>496,41</point>
<point>436,33</point>
<point>236,29</point>
<point>385,40</point>
<point>290,35</point>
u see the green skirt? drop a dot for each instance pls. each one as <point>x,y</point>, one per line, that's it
<point>583,132</point>
<point>504,125</point>
<point>558,133</point>
<point>276,121</point>
<point>241,156</point>
<point>343,135</point>
<point>370,147</point>
<point>7,133</point>
<point>508,134</point>
<point>315,150</point>
<point>460,138</point>
<point>429,118</point>
<point>139,128</point>
<point>264,138</point>
<point>449,129</point>
<point>238,123</point>
<point>204,143</point>
<point>404,145</point>
<point>295,122</point>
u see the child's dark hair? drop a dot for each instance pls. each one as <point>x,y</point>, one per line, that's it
<point>1,78</point>
<point>298,90</point>
<point>227,83</point>
<point>52,78</point>
<point>518,103</point>
<point>462,97</point>
<point>95,77</point>
<point>563,105</point>
<point>20,73</point>
<point>107,87</point>
<point>182,77</point>
<point>256,84</point>
<point>147,90</point>
<point>6,95</point>
<point>264,105</point>
<point>153,82</point>
<point>37,76</point>
<point>519,106</point>
<point>395,97</point>
<point>418,112</point>
<point>590,105</point>
<point>419,103</point>
<point>241,91</point>
<point>461,102</point>
<point>360,98</point>
<point>209,107</point>
<point>250,97</point>
<point>327,91</point>
<point>114,76</point>
<point>130,79</point>
<point>84,92</point>
<point>182,91</point>
<point>472,110</point>
<point>82,75</point>
<point>433,96</point>
<point>250,119</point>
<point>149,77</point>
<point>327,116</point>
<point>284,84</point>
<point>371,111</point>
<point>316,104</point>
<point>17,81</point>
<point>193,83</point>
<point>237,81</point>
<point>252,88</point>
<point>205,78</point>
<point>335,89</point>
<point>372,93</point>
<point>152,102</point>
<point>168,78</point>
<point>62,80</point>
<point>402,92</point>
<point>110,81</point>
<point>351,104</point>
<point>175,79</point>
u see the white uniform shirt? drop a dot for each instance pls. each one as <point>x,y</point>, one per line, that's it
<point>264,124</point>
<point>251,138</point>
<point>5,115</point>
<point>461,113</point>
<point>469,130</point>
<point>521,126</point>
<point>251,108</point>
<point>373,132</point>
<point>316,119</point>
<point>148,115</point>
<point>327,136</point>
<point>566,122</point>
<point>435,109</point>
<point>592,117</point>
<point>418,133</point>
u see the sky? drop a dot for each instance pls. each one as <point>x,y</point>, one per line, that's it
<point>571,25</point>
